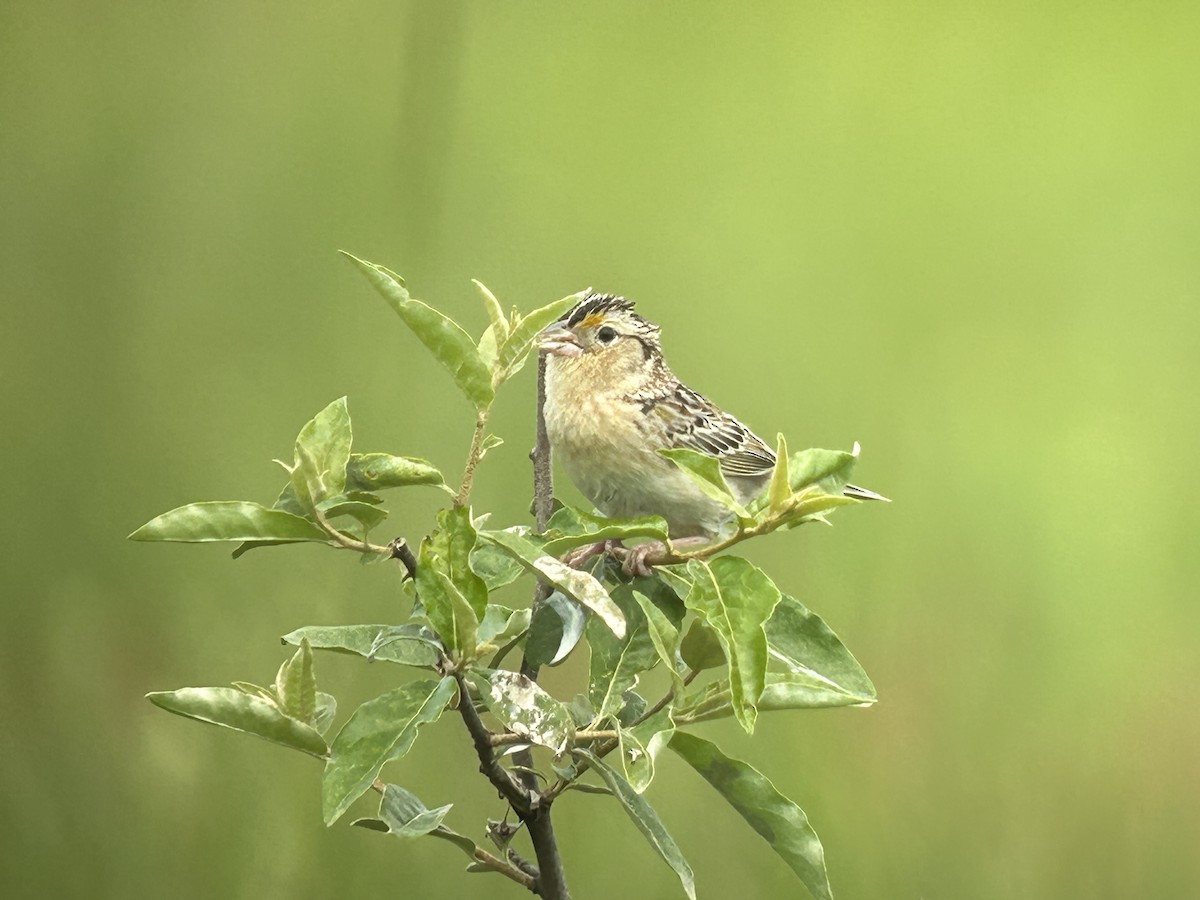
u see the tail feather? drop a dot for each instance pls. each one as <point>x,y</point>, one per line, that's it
<point>862,494</point>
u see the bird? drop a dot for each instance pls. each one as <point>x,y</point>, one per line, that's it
<point>612,403</point>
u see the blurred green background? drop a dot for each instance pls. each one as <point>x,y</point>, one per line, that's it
<point>966,237</point>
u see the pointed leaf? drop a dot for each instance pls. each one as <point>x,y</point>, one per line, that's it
<point>701,648</point>
<point>705,472</point>
<point>526,709</point>
<point>232,708</point>
<point>296,686</point>
<point>496,567</point>
<point>444,337</point>
<point>572,528</point>
<point>490,442</point>
<point>323,450</point>
<point>228,520</point>
<point>379,731</point>
<point>827,469</point>
<point>616,663</point>
<point>494,310</point>
<point>780,487</point>
<point>640,746</point>
<point>256,691</point>
<point>573,582</point>
<point>453,618</point>
<point>411,645</point>
<point>735,598</point>
<point>449,550</point>
<point>377,471</point>
<point>664,636</point>
<point>780,821</point>
<point>647,821</point>
<point>554,630</point>
<point>501,625</point>
<point>514,348</point>
<point>403,815</point>
<point>807,646</point>
<point>365,514</point>
<point>325,712</point>
<point>407,816</point>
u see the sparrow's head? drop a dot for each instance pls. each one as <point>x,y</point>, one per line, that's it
<point>602,326</point>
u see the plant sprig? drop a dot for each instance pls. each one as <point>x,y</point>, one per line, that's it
<point>730,643</point>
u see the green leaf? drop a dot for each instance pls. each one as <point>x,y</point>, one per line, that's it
<point>490,442</point>
<point>780,487</point>
<point>454,597</point>
<point>525,709</point>
<point>377,471</point>
<point>574,583</point>
<point>701,648</point>
<point>296,686</point>
<point>449,550</point>
<point>616,663</point>
<point>646,819</point>
<point>326,710</point>
<point>322,452</point>
<point>496,567</point>
<point>514,348</point>
<point>500,625</point>
<point>828,470</point>
<point>444,337</point>
<point>379,731</point>
<point>735,598</point>
<point>453,618</point>
<point>640,746</point>
<point>488,348</point>
<point>402,814</point>
<point>232,708</point>
<point>572,528</point>
<point>406,816</point>
<point>705,471</point>
<point>410,645</point>
<point>494,310</point>
<point>256,691</point>
<point>803,690</point>
<point>809,648</point>
<point>664,636</point>
<point>781,822</point>
<point>228,520</point>
<point>365,514</point>
<point>554,630</point>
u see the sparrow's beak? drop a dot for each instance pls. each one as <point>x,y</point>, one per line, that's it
<point>559,340</point>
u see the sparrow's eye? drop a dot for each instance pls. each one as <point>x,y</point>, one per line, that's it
<point>606,335</point>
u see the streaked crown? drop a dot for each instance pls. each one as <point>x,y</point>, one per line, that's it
<point>596,310</point>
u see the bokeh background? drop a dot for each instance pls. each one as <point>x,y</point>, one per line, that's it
<point>964,236</point>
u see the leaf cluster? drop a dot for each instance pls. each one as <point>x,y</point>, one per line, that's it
<point>705,637</point>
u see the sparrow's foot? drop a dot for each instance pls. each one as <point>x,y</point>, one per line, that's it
<point>635,558</point>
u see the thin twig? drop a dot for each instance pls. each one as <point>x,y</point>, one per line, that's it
<point>399,549</point>
<point>473,456</point>
<point>610,744</point>
<point>503,740</point>
<point>347,542</point>
<point>481,856</point>
<point>552,883</point>
<point>518,796</point>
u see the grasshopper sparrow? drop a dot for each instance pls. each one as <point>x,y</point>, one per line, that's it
<point>612,403</point>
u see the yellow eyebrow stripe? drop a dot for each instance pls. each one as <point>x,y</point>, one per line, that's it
<point>592,320</point>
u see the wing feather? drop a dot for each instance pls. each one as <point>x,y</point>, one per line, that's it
<point>695,422</point>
